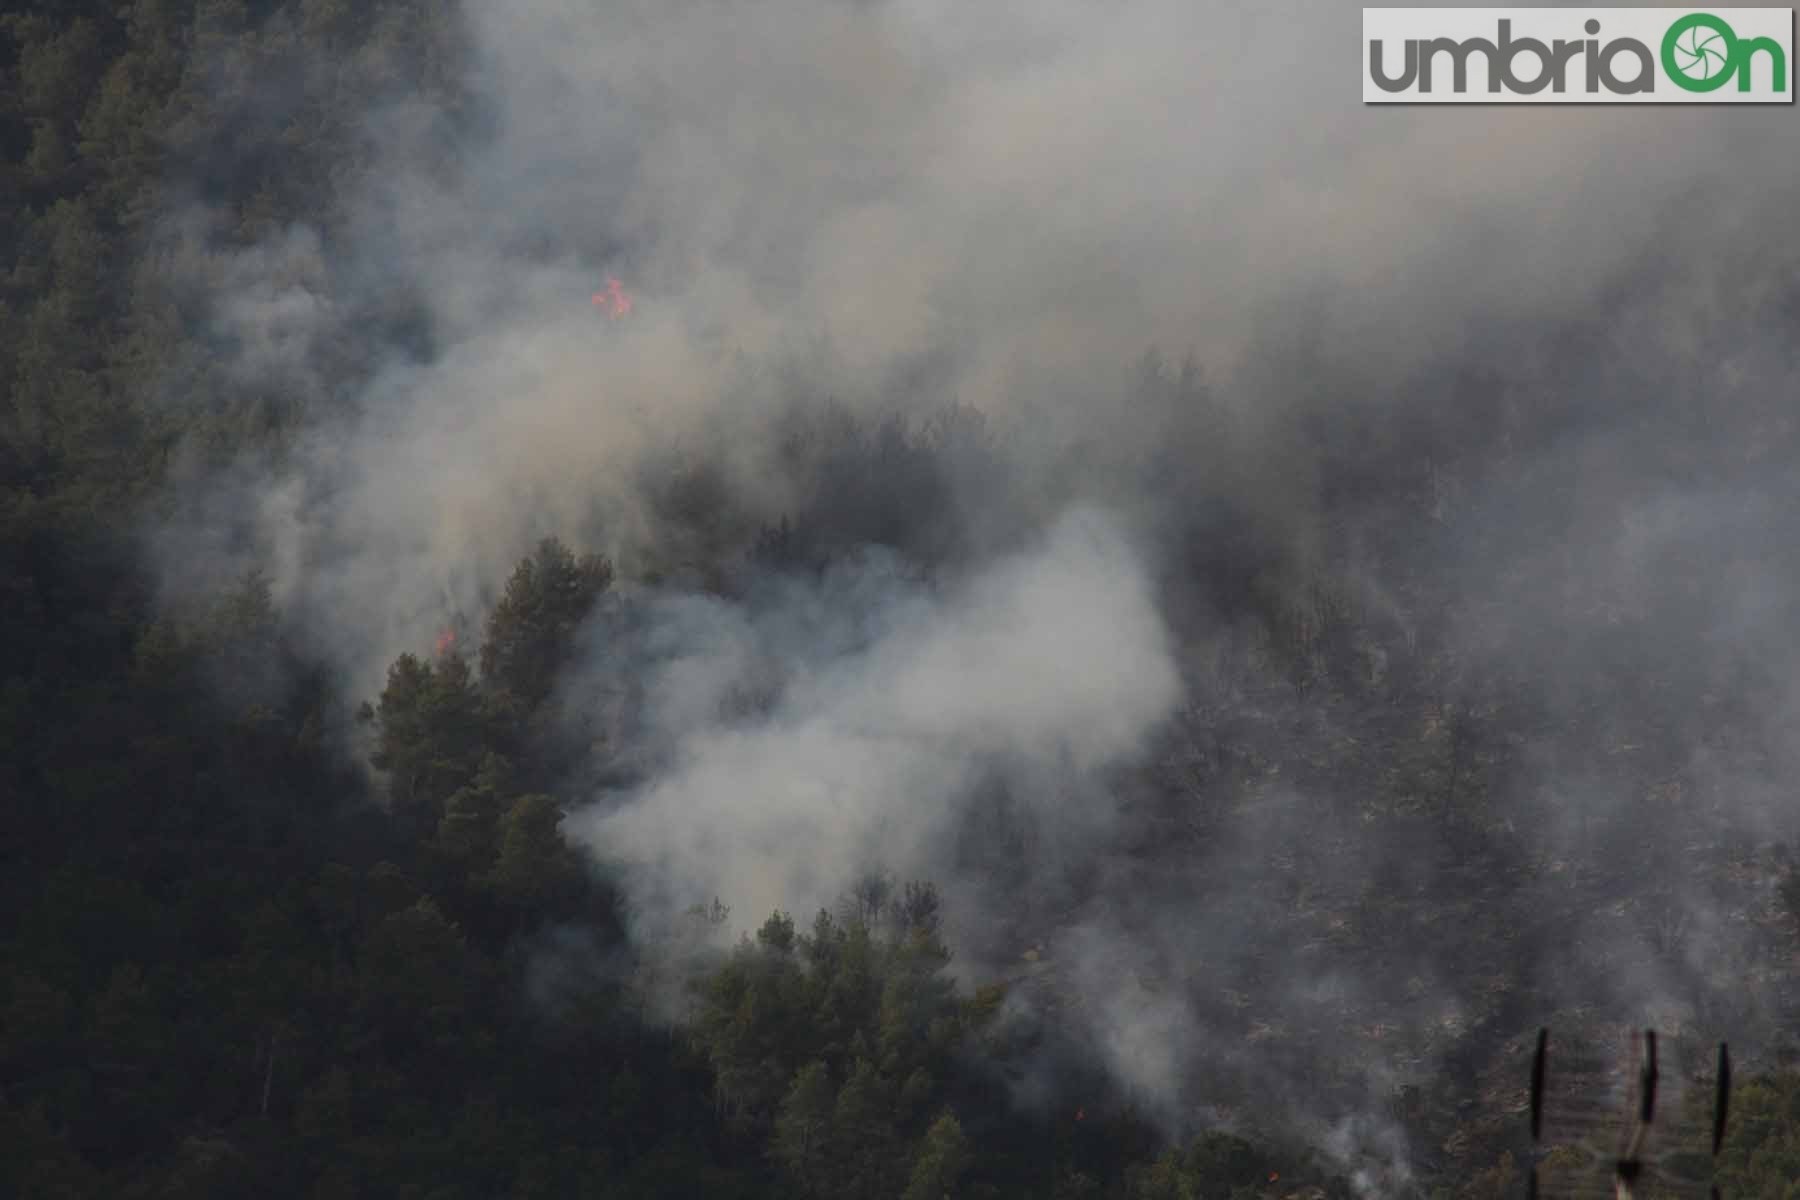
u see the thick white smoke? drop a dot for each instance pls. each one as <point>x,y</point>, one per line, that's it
<point>897,701</point>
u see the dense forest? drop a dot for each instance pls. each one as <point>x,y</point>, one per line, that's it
<point>330,874</point>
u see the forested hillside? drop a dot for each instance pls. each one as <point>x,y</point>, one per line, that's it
<point>467,733</point>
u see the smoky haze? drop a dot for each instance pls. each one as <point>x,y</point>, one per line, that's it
<point>1413,670</point>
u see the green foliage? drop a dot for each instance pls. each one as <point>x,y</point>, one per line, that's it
<point>535,869</point>
<point>777,933</point>
<point>1761,1156</point>
<point>528,635</point>
<point>942,1160</point>
<point>433,732</point>
<point>864,1138</point>
<point>803,1129</point>
<point>468,835</point>
<point>414,967</point>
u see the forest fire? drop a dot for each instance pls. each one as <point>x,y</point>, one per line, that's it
<point>1105,571</point>
<point>614,301</point>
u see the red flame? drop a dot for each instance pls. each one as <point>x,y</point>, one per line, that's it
<point>615,302</point>
<point>446,642</point>
<point>1274,1175</point>
<point>1081,1114</point>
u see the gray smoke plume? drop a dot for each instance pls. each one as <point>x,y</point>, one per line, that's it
<point>894,703</point>
<point>1478,504</point>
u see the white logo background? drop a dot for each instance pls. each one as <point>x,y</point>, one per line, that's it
<point>1699,53</point>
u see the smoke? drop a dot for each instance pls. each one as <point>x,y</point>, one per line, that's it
<point>886,199</point>
<point>892,703</point>
<point>1483,498</point>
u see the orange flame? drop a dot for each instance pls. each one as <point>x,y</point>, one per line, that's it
<point>615,302</point>
<point>446,642</point>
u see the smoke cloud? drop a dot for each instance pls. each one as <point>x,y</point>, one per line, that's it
<point>1481,490</point>
<point>894,704</point>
